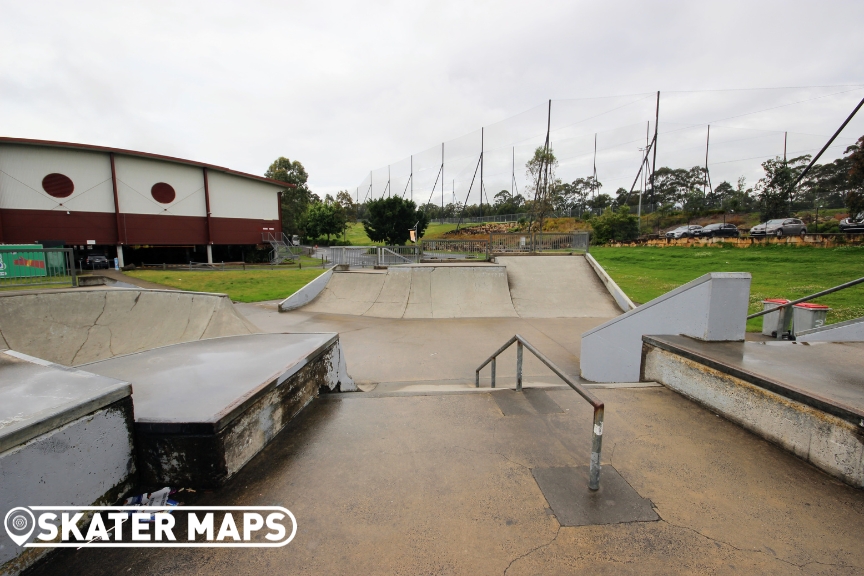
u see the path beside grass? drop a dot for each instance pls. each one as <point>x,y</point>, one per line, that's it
<point>645,273</point>
<point>240,285</point>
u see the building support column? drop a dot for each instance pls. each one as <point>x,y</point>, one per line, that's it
<point>120,261</point>
<point>120,239</point>
<point>207,207</point>
<point>279,216</point>
<point>209,253</point>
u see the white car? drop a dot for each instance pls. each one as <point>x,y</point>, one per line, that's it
<point>685,231</point>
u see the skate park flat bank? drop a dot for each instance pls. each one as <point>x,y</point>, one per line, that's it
<point>420,471</point>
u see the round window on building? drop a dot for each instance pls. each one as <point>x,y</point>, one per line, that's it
<point>163,193</point>
<point>58,185</point>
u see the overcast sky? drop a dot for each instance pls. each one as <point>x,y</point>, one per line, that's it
<point>347,87</point>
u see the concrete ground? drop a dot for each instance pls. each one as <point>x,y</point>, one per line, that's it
<point>423,474</point>
<point>395,353</point>
<point>442,484</point>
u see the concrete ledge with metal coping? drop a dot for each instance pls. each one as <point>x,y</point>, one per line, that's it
<point>65,439</point>
<point>848,331</point>
<point>617,294</point>
<point>203,409</point>
<point>711,307</point>
<point>806,398</point>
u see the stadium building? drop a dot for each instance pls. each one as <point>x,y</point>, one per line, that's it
<point>131,205</point>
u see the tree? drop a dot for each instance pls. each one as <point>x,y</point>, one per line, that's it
<point>615,226</point>
<point>738,199</point>
<point>581,189</point>
<point>856,163</point>
<point>773,189</point>
<point>540,170</point>
<point>324,218</point>
<point>390,219</point>
<point>600,202</point>
<point>855,196</point>
<point>343,198</point>
<point>294,200</point>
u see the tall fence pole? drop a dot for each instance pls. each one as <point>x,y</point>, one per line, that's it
<point>482,130</point>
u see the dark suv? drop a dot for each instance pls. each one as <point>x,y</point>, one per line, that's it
<point>853,225</point>
<point>96,260</point>
<point>719,229</point>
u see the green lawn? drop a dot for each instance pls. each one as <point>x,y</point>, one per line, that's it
<point>645,273</point>
<point>357,236</point>
<point>240,285</point>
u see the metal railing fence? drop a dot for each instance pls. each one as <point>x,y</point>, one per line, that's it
<point>354,256</point>
<point>25,267</point>
<point>497,218</point>
<point>463,249</point>
<point>538,242</point>
<point>394,255</point>
<point>467,249</point>
<point>597,437</point>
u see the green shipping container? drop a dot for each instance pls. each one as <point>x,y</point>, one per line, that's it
<point>22,261</point>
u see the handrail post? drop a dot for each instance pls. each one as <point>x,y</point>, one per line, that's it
<point>596,446</point>
<point>493,372</point>
<point>518,365</point>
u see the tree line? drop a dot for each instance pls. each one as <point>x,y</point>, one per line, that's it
<point>831,185</point>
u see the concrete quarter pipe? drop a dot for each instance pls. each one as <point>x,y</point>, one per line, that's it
<point>519,286</point>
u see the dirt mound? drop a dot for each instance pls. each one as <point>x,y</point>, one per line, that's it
<point>481,230</point>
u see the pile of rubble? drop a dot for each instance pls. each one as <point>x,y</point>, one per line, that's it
<point>483,230</point>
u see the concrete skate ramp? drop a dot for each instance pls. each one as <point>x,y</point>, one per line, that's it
<point>557,287</point>
<point>419,291</point>
<point>77,326</point>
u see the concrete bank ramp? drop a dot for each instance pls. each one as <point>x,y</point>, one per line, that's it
<point>557,287</point>
<point>419,291</point>
<point>77,326</point>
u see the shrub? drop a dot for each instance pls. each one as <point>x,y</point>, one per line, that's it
<point>615,226</point>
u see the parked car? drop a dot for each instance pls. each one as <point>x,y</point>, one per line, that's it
<point>853,225</point>
<point>719,229</point>
<point>779,228</point>
<point>684,231</point>
<point>96,260</point>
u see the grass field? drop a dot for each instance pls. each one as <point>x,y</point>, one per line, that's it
<point>778,272</point>
<point>357,236</point>
<point>240,285</point>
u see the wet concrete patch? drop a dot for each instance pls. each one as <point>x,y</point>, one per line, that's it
<point>566,491</point>
<point>527,402</point>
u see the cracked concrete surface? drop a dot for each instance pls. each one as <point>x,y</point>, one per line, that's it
<point>78,326</point>
<point>443,485</point>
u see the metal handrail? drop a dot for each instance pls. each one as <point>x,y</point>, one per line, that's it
<point>806,298</point>
<point>597,438</point>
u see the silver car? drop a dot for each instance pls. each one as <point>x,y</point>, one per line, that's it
<point>780,227</point>
<point>685,231</point>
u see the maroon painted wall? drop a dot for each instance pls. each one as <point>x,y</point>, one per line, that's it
<point>25,226</point>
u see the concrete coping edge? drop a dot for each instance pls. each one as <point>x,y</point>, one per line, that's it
<point>311,290</point>
<point>13,293</point>
<point>827,327</point>
<point>233,411</point>
<point>671,294</point>
<point>618,295</point>
<point>790,392</point>
<point>59,416</point>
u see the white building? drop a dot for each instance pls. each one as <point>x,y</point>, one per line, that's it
<point>82,195</point>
